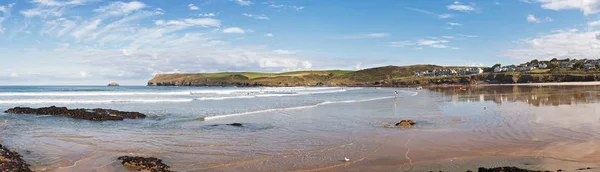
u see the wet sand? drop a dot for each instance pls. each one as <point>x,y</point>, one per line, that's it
<point>549,84</point>
<point>546,128</point>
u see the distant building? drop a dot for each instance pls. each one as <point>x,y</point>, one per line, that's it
<point>542,65</point>
<point>497,69</point>
<point>589,66</point>
<point>566,65</point>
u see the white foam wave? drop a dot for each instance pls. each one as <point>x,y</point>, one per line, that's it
<point>59,101</point>
<point>294,108</point>
<point>262,90</point>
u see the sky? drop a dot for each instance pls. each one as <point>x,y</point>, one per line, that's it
<point>94,42</point>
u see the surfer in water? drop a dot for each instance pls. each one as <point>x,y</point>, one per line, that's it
<point>395,94</point>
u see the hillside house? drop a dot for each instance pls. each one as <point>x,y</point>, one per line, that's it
<point>542,66</point>
<point>589,66</point>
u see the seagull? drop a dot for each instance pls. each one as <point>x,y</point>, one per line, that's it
<point>346,159</point>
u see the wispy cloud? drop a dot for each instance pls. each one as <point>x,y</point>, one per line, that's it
<point>236,30</point>
<point>269,35</point>
<point>458,6</point>
<point>272,4</point>
<point>254,16</point>
<point>207,15</point>
<point>193,7</point>
<point>587,6</point>
<point>467,36</point>
<point>454,24</point>
<point>442,16</point>
<point>433,43</point>
<point>558,44</point>
<point>284,52</point>
<point>244,2</point>
<point>532,19</point>
<point>368,35</point>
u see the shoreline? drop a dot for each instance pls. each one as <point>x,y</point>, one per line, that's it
<point>583,83</point>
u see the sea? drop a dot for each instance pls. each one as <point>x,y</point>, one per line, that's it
<point>309,128</point>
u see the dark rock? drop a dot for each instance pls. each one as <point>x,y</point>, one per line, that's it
<point>236,124</point>
<point>506,169</point>
<point>146,164</point>
<point>113,84</point>
<point>11,161</point>
<point>406,123</point>
<point>587,168</point>
<point>97,114</point>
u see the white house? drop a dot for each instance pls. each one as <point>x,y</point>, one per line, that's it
<point>497,69</point>
<point>589,66</point>
<point>542,65</point>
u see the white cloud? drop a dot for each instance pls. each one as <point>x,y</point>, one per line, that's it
<point>121,8</point>
<point>401,44</point>
<point>207,15</point>
<point>89,27</point>
<point>234,30</point>
<point>193,7</point>
<point>532,19</point>
<point>83,74</point>
<point>587,6</point>
<point>594,23</point>
<point>280,6</point>
<point>259,17</point>
<point>441,16</point>
<point>467,36</point>
<point>433,43</point>
<point>454,24</point>
<point>284,52</point>
<point>558,44</point>
<point>244,2</point>
<point>116,43</point>
<point>205,22</point>
<point>269,35</point>
<point>457,6</point>
<point>51,8</point>
<point>368,35</point>
<point>445,16</point>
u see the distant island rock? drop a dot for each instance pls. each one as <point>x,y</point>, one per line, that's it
<point>113,84</point>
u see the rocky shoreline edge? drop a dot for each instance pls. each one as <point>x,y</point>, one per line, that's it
<point>11,161</point>
<point>97,114</point>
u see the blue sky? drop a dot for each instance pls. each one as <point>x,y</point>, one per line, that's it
<point>98,41</point>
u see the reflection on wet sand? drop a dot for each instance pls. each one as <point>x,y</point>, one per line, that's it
<point>533,95</point>
<point>542,128</point>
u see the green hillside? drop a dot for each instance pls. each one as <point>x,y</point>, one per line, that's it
<point>296,78</point>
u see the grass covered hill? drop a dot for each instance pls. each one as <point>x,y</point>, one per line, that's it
<point>297,78</point>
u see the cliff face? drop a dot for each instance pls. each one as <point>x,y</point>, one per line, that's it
<point>383,76</point>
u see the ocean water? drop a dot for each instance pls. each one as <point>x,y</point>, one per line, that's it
<point>308,128</point>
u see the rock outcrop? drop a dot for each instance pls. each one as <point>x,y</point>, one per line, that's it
<point>113,84</point>
<point>145,164</point>
<point>97,114</point>
<point>11,161</point>
<point>406,123</point>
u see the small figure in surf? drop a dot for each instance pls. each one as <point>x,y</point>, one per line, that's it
<point>395,94</point>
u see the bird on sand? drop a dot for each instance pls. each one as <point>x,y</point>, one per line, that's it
<point>346,159</point>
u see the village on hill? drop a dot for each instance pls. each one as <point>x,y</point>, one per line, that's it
<point>564,64</point>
